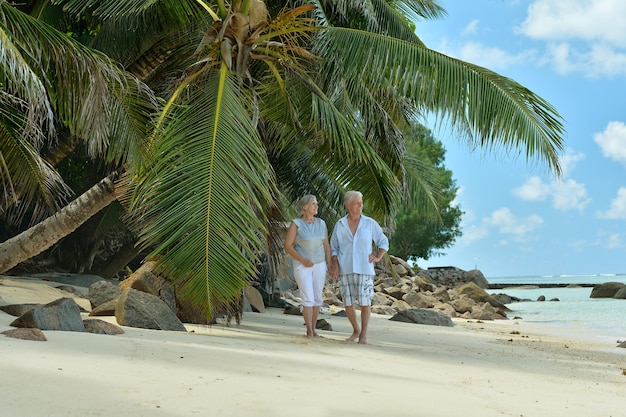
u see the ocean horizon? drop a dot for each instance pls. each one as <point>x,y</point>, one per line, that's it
<point>575,314</point>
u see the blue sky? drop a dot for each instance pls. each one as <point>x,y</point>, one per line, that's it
<point>519,218</point>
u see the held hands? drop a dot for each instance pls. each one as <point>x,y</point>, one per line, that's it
<point>333,271</point>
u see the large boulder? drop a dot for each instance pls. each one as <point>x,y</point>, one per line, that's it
<point>477,277</point>
<point>61,314</point>
<point>140,309</point>
<point>255,299</point>
<point>479,295</point>
<point>144,279</point>
<point>423,316</point>
<point>606,290</point>
<point>102,292</point>
<point>620,294</point>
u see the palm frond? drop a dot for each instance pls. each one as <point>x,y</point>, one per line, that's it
<point>113,9</point>
<point>25,176</point>
<point>497,111</point>
<point>203,193</point>
<point>91,94</point>
<point>376,16</point>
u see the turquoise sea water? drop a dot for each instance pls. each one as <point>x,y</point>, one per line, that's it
<point>575,314</point>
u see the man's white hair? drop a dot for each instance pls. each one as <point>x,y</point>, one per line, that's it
<point>349,195</point>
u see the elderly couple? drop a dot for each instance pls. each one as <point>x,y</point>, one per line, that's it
<point>349,256</point>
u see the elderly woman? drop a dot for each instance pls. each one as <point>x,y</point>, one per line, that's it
<point>307,243</point>
<point>353,261</point>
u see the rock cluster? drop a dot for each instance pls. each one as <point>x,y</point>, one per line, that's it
<point>144,300</point>
<point>450,291</point>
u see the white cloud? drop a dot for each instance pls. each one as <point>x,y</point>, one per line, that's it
<point>502,221</point>
<point>569,194</point>
<point>612,141</point>
<point>565,195</point>
<point>601,21</point>
<point>473,233</point>
<point>533,190</point>
<point>491,57</point>
<point>614,241</point>
<point>581,35</point>
<point>471,28</point>
<point>507,223</point>
<point>617,210</point>
<point>569,160</point>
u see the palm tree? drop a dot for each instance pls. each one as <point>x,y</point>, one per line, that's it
<point>57,93</point>
<point>263,101</point>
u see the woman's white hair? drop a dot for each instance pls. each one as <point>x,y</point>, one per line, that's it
<point>349,195</point>
<point>303,201</point>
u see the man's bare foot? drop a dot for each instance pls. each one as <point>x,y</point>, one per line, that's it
<point>353,337</point>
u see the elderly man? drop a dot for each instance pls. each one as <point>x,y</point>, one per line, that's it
<point>352,261</point>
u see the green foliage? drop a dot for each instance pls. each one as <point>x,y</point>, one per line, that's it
<point>419,235</point>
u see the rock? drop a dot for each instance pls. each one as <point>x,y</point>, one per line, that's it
<point>102,292</point>
<point>383,299</point>
<point>503,298</point>
<point>145,280</point>
<point>484,312</point>
<point>140,309</point>
<point>477,277</point>
<point>620,294</point>
<point>62,314</point>
<point>66,288</point>
<point>77,280</point>
<point>105,309</point>
<point>400,270</point>
<point>101,327</point>
<point>293,311</point>
<point>462,305</point>
<point>254,297</point>
<point>18,309</point>
<point>384,310</point>
<point>424,283</point>
<point>396,292</point>
<point>446,309</point>
<point>448,276</point>
<point>541,298</point>
<point>26,334</point>
<point>441,294</point>
<point>322,324</point>
<point>477,294</point>
<point>400,305</point>
<point>420,300</point>
<point>422,316</point>
<point>606,290</point>
<point>397,261</point>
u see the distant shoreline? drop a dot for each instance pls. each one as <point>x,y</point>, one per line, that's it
<point>497,286</point>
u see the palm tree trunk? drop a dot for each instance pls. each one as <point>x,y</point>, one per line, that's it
<point>45,234</point>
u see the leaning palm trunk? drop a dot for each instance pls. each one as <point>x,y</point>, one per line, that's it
<point>45,234</point>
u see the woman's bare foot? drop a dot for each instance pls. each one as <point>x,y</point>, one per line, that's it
<point>355,335</point>
<point>363,340</point>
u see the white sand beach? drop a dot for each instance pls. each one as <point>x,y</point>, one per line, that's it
<point>266,367</point>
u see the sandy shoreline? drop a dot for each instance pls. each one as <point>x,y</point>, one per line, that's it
<point>265,367</point>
